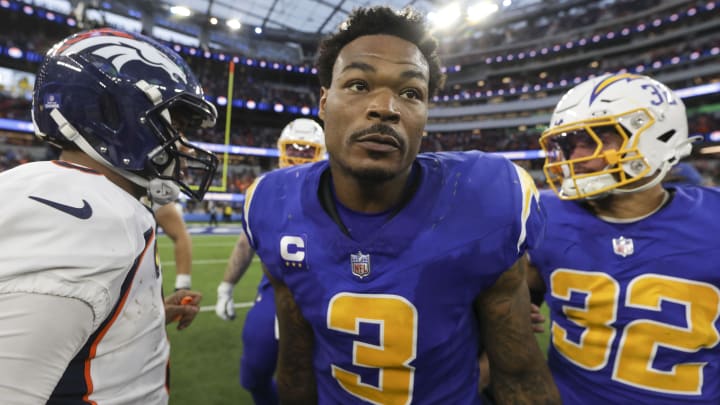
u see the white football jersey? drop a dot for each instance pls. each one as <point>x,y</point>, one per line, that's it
<point>67,231</point>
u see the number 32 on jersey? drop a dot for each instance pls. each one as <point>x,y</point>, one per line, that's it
<point>640,339</point>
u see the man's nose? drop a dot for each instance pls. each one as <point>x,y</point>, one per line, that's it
<point>383,106</point>
<point>581,151</point>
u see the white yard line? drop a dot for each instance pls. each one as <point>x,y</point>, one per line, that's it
<point>209,308</point>
<point>206,261</point>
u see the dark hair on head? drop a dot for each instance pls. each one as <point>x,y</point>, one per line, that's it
<point>407,24</point>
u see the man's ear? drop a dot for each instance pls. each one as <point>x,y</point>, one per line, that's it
<point>323,100</point>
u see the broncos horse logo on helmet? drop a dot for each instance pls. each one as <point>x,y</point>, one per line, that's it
<point>124,99</point>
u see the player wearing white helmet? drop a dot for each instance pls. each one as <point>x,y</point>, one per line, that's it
<point>628,267</point>
<point>614,134</point>
<point>301,141</point>
<point>82,313</point>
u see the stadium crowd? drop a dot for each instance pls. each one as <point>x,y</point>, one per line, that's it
<point>604,28</point>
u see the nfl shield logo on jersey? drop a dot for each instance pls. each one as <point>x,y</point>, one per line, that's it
<point>360,264</point>
<point>623,247</point>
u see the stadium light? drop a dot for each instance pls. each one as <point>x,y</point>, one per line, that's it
<point>180,11</point>
<point>234,24</point>
<point>481,11</point>
<point>445,17</point>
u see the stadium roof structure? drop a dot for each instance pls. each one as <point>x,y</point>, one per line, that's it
<point>315,17</point>
<point>286,30</point>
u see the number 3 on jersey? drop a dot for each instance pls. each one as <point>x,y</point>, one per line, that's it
<point>397,318</point>
<point>641,337</point>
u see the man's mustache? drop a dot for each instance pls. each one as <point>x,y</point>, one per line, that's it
<point>378,129</point>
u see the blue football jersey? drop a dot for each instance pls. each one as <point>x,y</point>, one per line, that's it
<point>634,307</point>
<point>392,310</point>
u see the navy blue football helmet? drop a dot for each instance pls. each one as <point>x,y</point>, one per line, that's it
<point>125,100</point>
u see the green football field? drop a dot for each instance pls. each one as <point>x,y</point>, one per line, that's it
<point>204,359</point>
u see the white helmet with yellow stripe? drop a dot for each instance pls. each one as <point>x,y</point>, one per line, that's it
<point>610,132</point>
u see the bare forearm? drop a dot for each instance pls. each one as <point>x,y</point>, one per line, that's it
<point>529,388</point>
<point>295,376</point>
<point>239,261</point>
<point>519,373</point>
<point>170,220</point>
<point>183,255</point>
<point>535,282</point>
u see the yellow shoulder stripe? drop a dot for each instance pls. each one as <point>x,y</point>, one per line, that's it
<point>249,194</point>
<point>529,192</point>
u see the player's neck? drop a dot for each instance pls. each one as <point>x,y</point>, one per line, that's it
<point>367,196</point>
<point>632,206</point>
<point>81,158</point>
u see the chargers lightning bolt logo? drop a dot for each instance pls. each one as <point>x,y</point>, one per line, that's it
<point>600,87</point>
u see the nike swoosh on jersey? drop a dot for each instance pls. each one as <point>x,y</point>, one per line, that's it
<point>83,212</point>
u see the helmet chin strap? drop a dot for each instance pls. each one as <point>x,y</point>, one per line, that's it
<point>587,185</point>
<point>590,184</point>
<point>160,191</point>
<point>656,180</point>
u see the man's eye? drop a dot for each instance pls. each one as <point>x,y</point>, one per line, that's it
<point>411,94</point>
<point>357,86</point>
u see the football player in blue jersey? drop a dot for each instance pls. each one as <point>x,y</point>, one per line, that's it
<point>301,141</point>
<point>628,268</point>
<point>82,314</point>
<point>391,267</point>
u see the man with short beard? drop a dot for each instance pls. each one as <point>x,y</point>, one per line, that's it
<point>390,267</point>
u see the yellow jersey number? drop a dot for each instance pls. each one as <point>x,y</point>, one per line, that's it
<point>397,318</point>
<point>633,363</point>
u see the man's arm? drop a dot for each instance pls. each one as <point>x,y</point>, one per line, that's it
<point>173,224</point>
<point>519,372</point>
<point>239,262</point>
<point>535,282</point>
<point>240,259</point>
<point>295,375</point>
<point>39,335</point>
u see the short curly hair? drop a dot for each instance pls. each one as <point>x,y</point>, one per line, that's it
<point>407,24</point>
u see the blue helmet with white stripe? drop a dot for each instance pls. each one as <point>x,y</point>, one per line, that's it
<point>125,100</point>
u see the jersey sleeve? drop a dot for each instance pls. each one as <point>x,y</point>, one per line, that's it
<point>40,336</point>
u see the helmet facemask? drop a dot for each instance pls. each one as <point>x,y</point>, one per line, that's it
<point>175,158</point>
<point>616,133</point>
<point>588,159</point>
<point>297,152</point>
<point>301,141</point>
